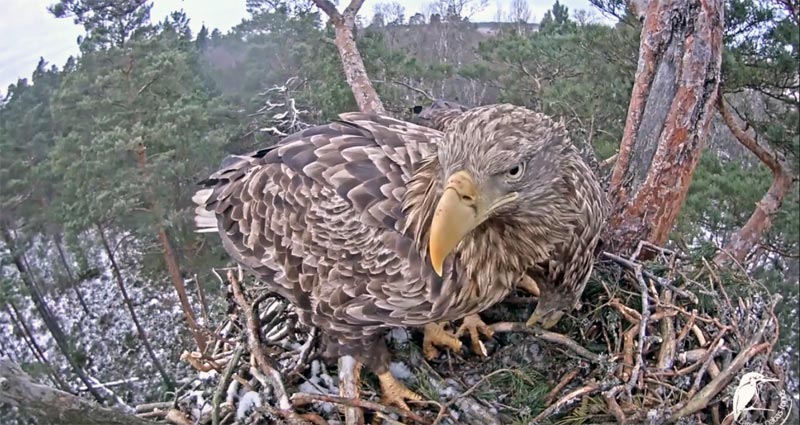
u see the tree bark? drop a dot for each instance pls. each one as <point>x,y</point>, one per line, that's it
<point>52,406</point>
<point>170,257</point>
<point>742,243</point>
<point>44,311</point>
<point>129,304</point>
<point>671,106</point>
<point>355,73</point>
<point>30,340</point>
<point>72,281</point>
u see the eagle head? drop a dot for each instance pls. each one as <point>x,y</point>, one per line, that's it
<point>502,166</point>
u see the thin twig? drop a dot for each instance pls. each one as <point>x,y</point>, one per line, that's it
<point>568,399</point>
<point>255,343</point>
<point>632,265</point>
<point>548,336</point>
<point>615,410</point>
<point>609,161</point>
<point>299,399</point>
<point>416,89</point>
<point>202,297</point>
<point>223,383</point>
<point>469,391</point>
<point>637,367</point>
<point>560,386</point>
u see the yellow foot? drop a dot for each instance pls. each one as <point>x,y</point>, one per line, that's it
<point>529,285</point>
<point>394,393</point>
<point>436,335</point>
<point>475,326</point>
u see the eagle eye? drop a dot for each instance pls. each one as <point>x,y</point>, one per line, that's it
<point>515,172</point>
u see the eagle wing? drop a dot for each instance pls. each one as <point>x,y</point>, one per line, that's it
<point>318,217</point>
<point>567,266</point>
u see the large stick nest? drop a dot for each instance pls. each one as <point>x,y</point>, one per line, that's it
<point>673,340</point>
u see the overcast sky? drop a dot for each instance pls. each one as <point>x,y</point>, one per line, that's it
<point>28,31</point>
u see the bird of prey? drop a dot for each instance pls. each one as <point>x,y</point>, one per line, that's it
<point>369,223</point>
<point>438,114</point>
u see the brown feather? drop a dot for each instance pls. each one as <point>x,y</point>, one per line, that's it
<point>335,218</point>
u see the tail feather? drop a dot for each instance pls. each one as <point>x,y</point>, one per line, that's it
<point>205,220</point>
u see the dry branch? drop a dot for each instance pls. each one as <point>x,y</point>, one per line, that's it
<point>570,398</point>
<point>223,384</point>
<point>349,371</point>
<point>548,336</point>
<point>614,408</point>
<point>300,399</point>
<point>264,363</point>
<point>50,405</point>
<point>560,386</point>
<point>355,72</point>
<point>748,237</point>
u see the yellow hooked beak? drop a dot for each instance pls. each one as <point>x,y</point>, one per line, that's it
<point>460,209</point>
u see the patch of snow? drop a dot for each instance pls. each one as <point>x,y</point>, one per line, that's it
<point>310,388</point>
<point>397,335</point>
<point>401,371</point>
<point>232,392</point>
<point>207,376</point>
<point>320,382</point>
<point>250,400</point>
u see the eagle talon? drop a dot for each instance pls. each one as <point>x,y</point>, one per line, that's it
<point>436,335</point>
<point>476,327</point>
<point>394,393</point>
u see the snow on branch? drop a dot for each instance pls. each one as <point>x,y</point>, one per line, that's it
<point>280,114</point>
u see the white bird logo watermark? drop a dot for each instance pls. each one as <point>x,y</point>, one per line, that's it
<point>748,390</point>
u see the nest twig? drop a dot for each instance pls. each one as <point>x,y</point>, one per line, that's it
<point>646,348</point>
<point>261,360</point>
<point>300,399</point>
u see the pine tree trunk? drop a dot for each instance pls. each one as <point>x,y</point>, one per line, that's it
<point>52,406</point>
<point>355,73</point>
<point>672,102</point>
<point>170,257</point>
<point>73,283</point>
<point>742,243</point>
<point>30,340</point>
<point>44,311</point>
<point>129,304</point>
<point>180,287</point>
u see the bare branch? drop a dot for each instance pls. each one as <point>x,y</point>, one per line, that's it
<point>741,244</point>
<point>261,359</point>
<point>771,158</point>
<point>548,336</point>
<point>300,399</point>
<point>353,8</point>
<point>49,405</point>
<point>329,9</point>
